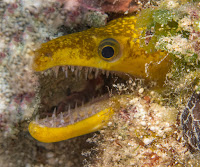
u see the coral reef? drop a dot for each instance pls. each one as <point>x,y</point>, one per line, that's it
<point>115,6</point>
<point>107,6</point>
<point>142,133</point>
<point>156,138</point>
<point>24,26</point>
<point>146,131</point>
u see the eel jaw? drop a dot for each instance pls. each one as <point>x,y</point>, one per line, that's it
<point>55,134</point>
<point>78,121</point>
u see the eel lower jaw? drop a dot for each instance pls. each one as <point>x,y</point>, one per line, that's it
<point>74,119</point>
<point>58,131</point>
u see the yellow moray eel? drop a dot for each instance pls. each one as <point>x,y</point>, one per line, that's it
<point>115,47</point>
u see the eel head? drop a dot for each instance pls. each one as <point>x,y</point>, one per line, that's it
<point>96,53</point>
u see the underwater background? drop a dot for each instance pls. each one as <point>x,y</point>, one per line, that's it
<point>151,126</point>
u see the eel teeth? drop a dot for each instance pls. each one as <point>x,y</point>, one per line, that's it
<point>66,71</point>
<point>72,68</point>
<point>37,118</point>
<point>76,72</point>
<point>62,121</point>
<point>96,73</point>
<point>90,70</point>
<point>53,121</point>
<point>56,70</point>
<point>54,113</point>
<point>107,74</point>
<point>86,73</point>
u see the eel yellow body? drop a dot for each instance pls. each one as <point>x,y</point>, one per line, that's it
<point>115,47</point>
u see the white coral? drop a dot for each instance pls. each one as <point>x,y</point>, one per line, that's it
<point>175,44</point>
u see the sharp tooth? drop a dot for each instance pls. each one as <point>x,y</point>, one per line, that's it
<point>79,74</point>
<point>72,68</point>
<point>37,118</point>
<point>56,70</point>
<point>66,72</point>
<point>62,121</point>
<point>90,74</point>
<point>54,113</point>
<point>90,70</point>
<point>53,121</point>
<point>86,73</point>
<point>80,70</point>
<point>103,72</point>
<point>107,74</point>
<point>96,73</point>
<point>63,68</point>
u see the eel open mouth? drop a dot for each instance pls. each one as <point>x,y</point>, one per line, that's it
<point>115,47</point>
<point>74,101</point>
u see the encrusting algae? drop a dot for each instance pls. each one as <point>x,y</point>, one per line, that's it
<point>116,48</point>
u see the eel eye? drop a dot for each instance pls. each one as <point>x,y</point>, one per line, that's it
<point>109,50</point>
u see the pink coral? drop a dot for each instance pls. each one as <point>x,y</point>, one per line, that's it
<point>119,6</point>
<point>116,6</point>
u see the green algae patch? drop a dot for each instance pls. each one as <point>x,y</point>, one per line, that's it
<point>162,16</point>
<point>173,27</point>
